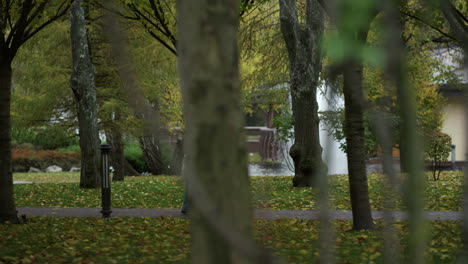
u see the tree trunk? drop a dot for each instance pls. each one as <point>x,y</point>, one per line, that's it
<point>216,165</point>
<point>354,133</point>
<point>150,145</point>
<point>177,158</point>
<point>84,89</point>
<point>7,199</point>
<point>305,63</point>
<point>117,159</point>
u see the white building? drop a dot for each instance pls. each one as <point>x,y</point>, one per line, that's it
<point>455,118</point>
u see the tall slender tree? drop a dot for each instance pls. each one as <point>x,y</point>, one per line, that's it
<point>305,63</point>
<point>354,133</point>
<point>351,66</point>
<point>83,85</point>
<point>216,165</point>
<point>19,21</point>
<point>354,130</point>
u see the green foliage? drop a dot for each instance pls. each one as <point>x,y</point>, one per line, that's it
<point>49,137</point>
<point>20,136</point>
<point>41,73</point>
<point>438,151</point>
<point>53,137</point>
<point>264,59</point>
<point>284,124</point>
<point>334,123</point>
<point>381,101</point>
<point>156,71</point>
<point>341,43</point>
<point>134,155</point>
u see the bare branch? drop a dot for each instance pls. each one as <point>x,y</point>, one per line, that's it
<point>440,31</point>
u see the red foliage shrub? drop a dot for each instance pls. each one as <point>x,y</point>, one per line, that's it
<point>23,159</point>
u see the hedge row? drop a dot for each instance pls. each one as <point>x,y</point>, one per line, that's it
<point>23,159</point>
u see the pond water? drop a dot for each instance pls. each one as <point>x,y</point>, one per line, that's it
<point>268,169</point>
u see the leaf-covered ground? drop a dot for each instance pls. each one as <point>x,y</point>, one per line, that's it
<point>267,192</point>
<point>167,240</point>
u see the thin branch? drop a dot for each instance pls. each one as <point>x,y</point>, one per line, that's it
<point>154,35</point>
<point>25,10</point>
<point>429,25</point>
<point>169,35</point>
<point>30,33</point>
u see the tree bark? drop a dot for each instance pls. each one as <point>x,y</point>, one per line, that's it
<point>354,133</point>
<point>84,89</point>
<point>216,163</point>
<point>7,199</point>
<point>177,158</point>
<point>150,145</point>
<point>305,63</point>
<point>117,159</point>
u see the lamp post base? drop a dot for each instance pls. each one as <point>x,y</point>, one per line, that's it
<point>106,213</point>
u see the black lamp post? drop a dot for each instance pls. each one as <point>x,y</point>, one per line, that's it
<point>105,180</point>
<point>454,159</point>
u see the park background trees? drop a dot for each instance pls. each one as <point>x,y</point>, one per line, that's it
<point>352,67</point>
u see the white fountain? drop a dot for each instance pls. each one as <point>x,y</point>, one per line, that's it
<point>333,156</point>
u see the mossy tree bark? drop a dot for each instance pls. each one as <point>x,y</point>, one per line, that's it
<point>84,89</point>
<point>305,63</point>
<point>216,160</point>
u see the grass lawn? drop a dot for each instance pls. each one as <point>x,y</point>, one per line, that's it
<point>61,189</point>
<point>145,240</point>
<point>167,240</point>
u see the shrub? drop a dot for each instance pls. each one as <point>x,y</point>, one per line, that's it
<point>134,155</point>
<point>51,137</point>
<point>20,136</point>
<point>23,159</point>
<point>70,149</point>
<point>54,137</point>
<point>438,151</point>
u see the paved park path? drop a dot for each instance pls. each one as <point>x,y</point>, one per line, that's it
<point>259,213</point>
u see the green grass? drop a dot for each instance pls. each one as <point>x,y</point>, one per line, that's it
<point>44,177</point>
<point>61,189</point>
<point>167,240</point>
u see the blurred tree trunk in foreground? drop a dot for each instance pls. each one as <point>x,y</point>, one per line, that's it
<point>216,166</point>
